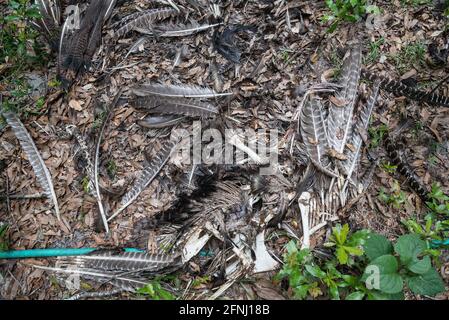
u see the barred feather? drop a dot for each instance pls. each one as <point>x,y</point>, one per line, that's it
<point>339,120</point>
<point>400,89</point>
<point>110,260</point>
<point>361,126</point>
<point>158,122</point>
<point>142,20</point>
<point>148,175</point>
<point>176,106</point>
<point>77,48</point>
<point>314,135</point>
<point>177,30</point>
<point>49,22</point>
<point>176,91</point>
<point>38,164</point>
<point>404,169</point>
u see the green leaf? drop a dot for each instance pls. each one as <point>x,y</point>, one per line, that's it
<point>429,283</point>
<point>377,295</point>
<point>334,293</point>
<point>353,250</point>
<point>385,267</point>
<point>358,295</point>
<point>421,266</point>
<point>341,233</point>
<point>342,255</point>
<point>409,247</point>
<point>358,238</point>
<point>291,247</point>
<point>377,245</point>
<point>315,271</point>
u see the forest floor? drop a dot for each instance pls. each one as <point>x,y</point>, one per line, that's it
<point>290,50</point>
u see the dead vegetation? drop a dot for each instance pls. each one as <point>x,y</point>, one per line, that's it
<point>261,65</point>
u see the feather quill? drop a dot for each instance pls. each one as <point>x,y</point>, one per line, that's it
<point>362,126</point>
<point>38,164</point>
<point>143,20</point>
<point>175,106</point>
<point>177,30</point>
<point>339,120</point>
<point>314,135</point>
<point>158,122</point>
<point>97,161</point>
<point>110,260</point>
<point>177,91</point>
<point>147,176</point>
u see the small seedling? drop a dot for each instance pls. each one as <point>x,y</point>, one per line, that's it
<point>395,198</point>
<point>410,55</point>
<point>86,184</point>
<point>389,168</point>
<point>346,246</point>
<point>438,201</point>
<point>377,134</point>
<point>154,291</point>
<point>347,10</point>
<point>374,51</point>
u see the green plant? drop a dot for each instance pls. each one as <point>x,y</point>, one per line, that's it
<point>20,51</point>
<point>20,47</point>
<point>410,55</point>
<point>388,167</point>
<point>377,134</point>
<point>406,262</point>
<point>309,278</point>
<point>438,201</point>
<point>85,182</point>
<point>154,291</point>
<point>301,283</point>
<point>395,198</point>
<point>346,246</point>
<point>374,51</point>
<point>347,10</point>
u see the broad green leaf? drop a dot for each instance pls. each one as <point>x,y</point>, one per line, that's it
<point>377,295</point>
<point>386,269</point>
<point>300,292</point>
<point>409,247</point>
<point>420,266</point>
<point>358,238</point>
<point>429,283</point>
<point>376,246</point>
<point>358,295</point>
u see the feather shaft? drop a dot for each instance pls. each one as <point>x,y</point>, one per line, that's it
<point>40,169</point>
